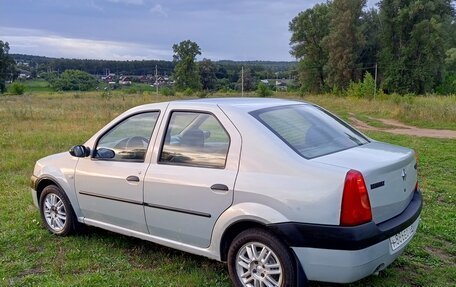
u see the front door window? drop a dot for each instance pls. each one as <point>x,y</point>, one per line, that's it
<point>128,141</point>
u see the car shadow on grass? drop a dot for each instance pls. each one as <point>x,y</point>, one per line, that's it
<point>148,255</point>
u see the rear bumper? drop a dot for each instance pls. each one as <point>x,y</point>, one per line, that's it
<point>346,266</point>
<point>346,254</point>
<point>347,238</point>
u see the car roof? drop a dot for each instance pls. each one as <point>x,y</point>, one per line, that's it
<point>237,103</point>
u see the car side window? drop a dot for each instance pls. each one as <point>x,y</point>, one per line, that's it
<point>128,140</point>
<point>195,139</point>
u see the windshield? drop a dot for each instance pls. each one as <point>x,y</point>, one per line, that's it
<point>309,130</point>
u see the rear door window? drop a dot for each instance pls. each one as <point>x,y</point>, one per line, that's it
<point>195,139</point>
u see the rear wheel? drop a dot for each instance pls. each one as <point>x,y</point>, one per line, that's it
<point>56,211</point>
<point>258,258</point>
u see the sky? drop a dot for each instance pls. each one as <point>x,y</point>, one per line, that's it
<point>147,29</point>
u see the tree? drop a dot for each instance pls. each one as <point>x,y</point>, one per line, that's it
<point>207,70</point>
<point>74,80</point>
<point>448,86</point>
<point>263,90</point>
<point>450,60</point>
<point>186,70</point>
<point>16,88</point>
<point>7,66</point>
<point>308,31</point>
<point>370,28</point>
<point>249,83</point>
<point>344,42</point>
<point>414,38</point>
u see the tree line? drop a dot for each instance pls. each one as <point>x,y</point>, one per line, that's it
<point>7,65</point>
<point>213,75</point>
<point>410,43</point>
<point>209,75</point>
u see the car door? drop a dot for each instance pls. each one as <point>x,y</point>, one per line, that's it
<point>109,184</point>
<point>191,178</point>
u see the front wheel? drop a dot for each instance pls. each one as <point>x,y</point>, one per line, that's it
<point>56,211</point>
<point>258,258</point>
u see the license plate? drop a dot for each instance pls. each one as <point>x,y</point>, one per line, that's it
<point>399,239</point>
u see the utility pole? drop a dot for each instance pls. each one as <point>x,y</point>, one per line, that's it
<point>375,86</point>
<point>242,81</point>
<point>156,79</point>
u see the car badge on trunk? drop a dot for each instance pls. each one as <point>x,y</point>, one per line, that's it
<point>404,174</point>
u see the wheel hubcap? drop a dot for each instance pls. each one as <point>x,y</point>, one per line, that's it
<point>257,265</point>
<point>54,212</point>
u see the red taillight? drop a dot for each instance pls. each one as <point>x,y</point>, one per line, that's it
<point>356,207</point>
<point>417,186</point>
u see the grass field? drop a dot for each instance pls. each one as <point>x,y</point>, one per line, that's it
<point>37,85</point>
<point>33,126</point>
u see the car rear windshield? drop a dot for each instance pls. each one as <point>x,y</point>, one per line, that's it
<point>309,130</point>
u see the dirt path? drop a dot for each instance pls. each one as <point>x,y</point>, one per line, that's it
<point>396,127</point>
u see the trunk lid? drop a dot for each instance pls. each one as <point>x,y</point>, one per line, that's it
<point>389,172</point>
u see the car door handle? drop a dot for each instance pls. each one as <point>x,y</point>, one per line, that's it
<point>219,187</point>
<point>133,178</point>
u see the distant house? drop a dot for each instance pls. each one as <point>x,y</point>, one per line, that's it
<point>143,79</point>
<point>21,63</point>
<point>281,85</point>
<point>125,80</point>
<point>162,81</point>
<point>24,74</point>
<point>111,77</point>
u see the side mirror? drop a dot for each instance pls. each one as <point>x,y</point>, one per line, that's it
<point>80,151</point>
<point>105,153</point>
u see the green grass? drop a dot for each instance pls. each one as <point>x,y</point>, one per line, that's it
<point>37,85</point>
<point>33,126</point>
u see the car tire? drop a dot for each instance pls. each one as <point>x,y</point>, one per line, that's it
<point>56,211</point>
<point>256,256</point>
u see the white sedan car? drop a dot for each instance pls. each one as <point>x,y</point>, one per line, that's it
<point>283,191</point>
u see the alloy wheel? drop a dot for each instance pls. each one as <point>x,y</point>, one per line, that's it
<point>54,212</point>
<point>257,266</point>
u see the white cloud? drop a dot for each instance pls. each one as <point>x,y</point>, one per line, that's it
<point>129,2</point>
<point>37,42</point>
<point>157,8</point>
<point>94,6</point>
